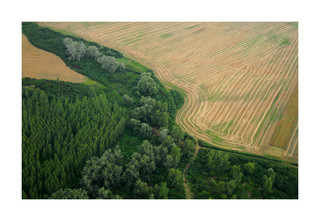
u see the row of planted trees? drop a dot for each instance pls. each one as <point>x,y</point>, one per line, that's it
<point>76,50</point>
<point>58,135</point>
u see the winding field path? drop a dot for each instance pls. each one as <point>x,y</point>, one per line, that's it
<point>185,181</point>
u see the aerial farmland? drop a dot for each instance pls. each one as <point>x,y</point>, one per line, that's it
<point>160,110</point>
<point>239,79</point>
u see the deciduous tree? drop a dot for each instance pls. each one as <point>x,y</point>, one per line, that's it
<point>128,101</point>
<point>188,148</point>
<point>161,191</point>
<point>106,194</point>
<point>141,190</point>
<point>75,49</point>
<point>146,85</point>
<point>218,161</point>
<point>164,134</point>
<point>70,194</point>
<point>175,177</point>
<point>176,154</point>
<point>177,134</point>
<point>237,174</point>
<point>105,171</point>
<point>108,63</point>
<point>93,52</point>
<point>231,186</point>
<point>145,131</point>
<point>249,167</point>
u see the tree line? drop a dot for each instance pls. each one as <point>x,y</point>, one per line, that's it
<point>219,175</point>
<point>76,50</point>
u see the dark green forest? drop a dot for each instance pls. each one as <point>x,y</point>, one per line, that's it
<point>120,141</point>
<point>69,146</point>
<point>59,135</point>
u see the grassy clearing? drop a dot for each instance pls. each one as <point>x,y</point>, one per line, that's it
<point>129,144</point>
<point>172,86</point>
<point>132,65</point>
<point>62,31</point>
<point>93,83</point>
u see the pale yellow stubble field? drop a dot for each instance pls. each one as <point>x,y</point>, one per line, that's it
<point>237,77</point>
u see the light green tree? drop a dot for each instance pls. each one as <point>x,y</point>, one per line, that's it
<point>177,134</point>
<point>93,51</point>
<point>176,154</point>
<point>268,180</point>
<point>161,191</point>
<point>188,148</point>
<point>175,177</point>
<point>127,101</point>
<point>146,85</point>
<point>237,174</point>
<point>141,190</point>
<point>108,63</point>
<point>249,167</point>
<point>75,49</point>
<point>164,134</point>
<point>106,194</point>
<point>70,194</point>
<point>231,186</point>
<point>145,130</point>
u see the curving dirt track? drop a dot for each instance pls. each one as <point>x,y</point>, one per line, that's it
<point>237,77</point>
<point>40,64</point>
<point>185,182</point>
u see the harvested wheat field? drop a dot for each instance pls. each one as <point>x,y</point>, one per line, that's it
<point>286,133</point>
<point>237,77</point>
<point>39,64</point>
